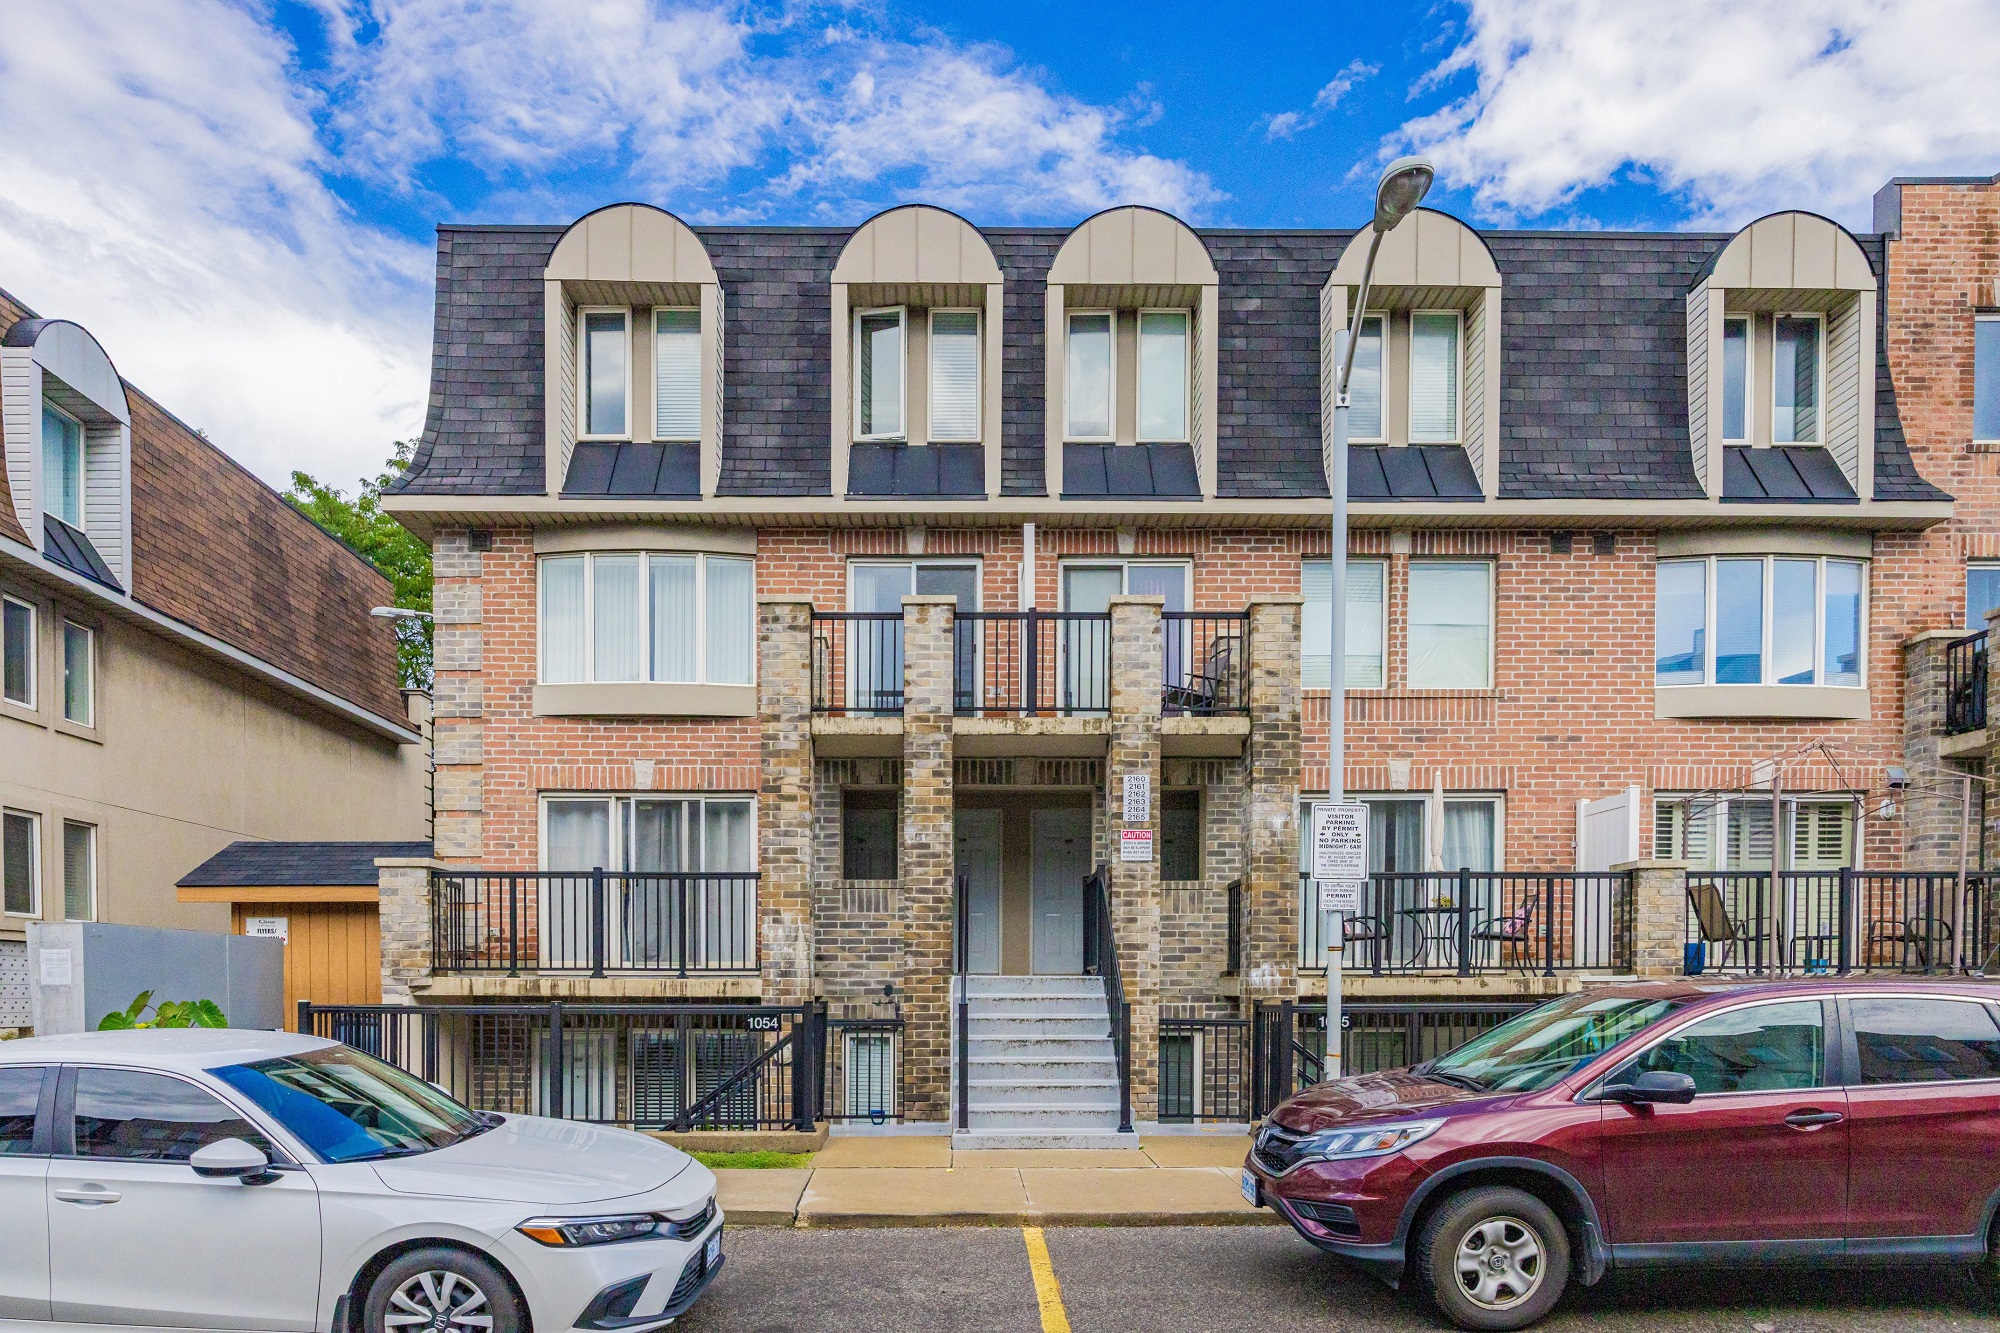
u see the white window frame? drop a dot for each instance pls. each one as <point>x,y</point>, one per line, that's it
<point>1111,381</point>
<point>34,911</point>
<point>1716,810</point>
<point>1125,564</point>
<point>915,562</point>
<point>1492,618</point>
<point>1410,380</point>
<point>1819,378</point>
<point>1497,800</point>
<point>1977,321</point>
<point>1138,386</point>
<point>930,374</point>
<point>583,370</point>
<point>1965,585</point>
<point>1381,621</point>
<point>82,465</point>
<point>90,889</point>
<point>1720,380</point>
<point>620,802</point>
<point>1770,559</point>
<point>34,653</point>
<point>1381,318</point>
<point>89,719</point>
<point>701,559</point>
<point>700,387</point>
<point>902,314</point>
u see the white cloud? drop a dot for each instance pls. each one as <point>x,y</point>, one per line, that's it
<point>1738,106</point>
<point>160,184</point>
<point>1288,123</point>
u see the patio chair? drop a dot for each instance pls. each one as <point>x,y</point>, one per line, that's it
<point>1712,921</point>
<point>1913,936</point>
<point>1203,690</point>
<point>1366,930</point>
<point>1513,928</point>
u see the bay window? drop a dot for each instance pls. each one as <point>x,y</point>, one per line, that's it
<point>1163,376</point>
<point>647,616</point>
<point>677,375</point>
<point>1434,376</point>
<point>1090,375</point>
<point>1364,385</point>
<point>1759,620</point>
<point>603,352</point>
<point>878,374</point>
<point>1795,379</point>
<point>1451,625</point>
<point>62,465</point>
<point>1736,379</point>
<point>1366,624</point>
<point>954,376</point>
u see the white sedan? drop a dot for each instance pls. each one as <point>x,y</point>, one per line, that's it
<point>209,1179</point>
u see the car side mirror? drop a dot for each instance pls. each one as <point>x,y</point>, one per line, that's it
<point>225,1158</point>
<point>1653,1086</point>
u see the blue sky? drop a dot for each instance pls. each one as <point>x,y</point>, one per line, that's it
<point>238,196</point>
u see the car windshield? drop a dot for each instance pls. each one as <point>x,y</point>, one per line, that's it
<point>1538,1048</point>
<point>350,1107</point>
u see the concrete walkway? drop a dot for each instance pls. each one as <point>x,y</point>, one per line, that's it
<point>917,1180</point>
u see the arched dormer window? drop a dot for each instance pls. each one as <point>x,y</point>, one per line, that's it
<point>1781,365</point>
<point>1426,370</point>
<point>1131,339</point>
<point>916,324</point>
<point>68,447</point>
<point>634,358</point>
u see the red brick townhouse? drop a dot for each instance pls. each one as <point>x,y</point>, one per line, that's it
<point>852,596</point>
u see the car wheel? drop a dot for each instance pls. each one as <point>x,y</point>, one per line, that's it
<point>441,1290</point>
<point>1494,1258</point>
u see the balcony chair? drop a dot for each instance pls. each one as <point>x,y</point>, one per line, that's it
<point>1914,936</point>
<point>1367,930</point>
<point>1514,929</point>
<point>1713,923</point>
<point>1204,690</point>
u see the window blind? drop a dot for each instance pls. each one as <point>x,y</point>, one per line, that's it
<point>1433,377</point>
<point>1364,624</point>
<point>1822,835</point>
<point>731,620</point>
<point>954,375</point>
<point>563,619</point>
<point>1451,615</point>
<point>677,375</point>
<point>17,862</point>
<point>1088,391</point>
<point>79,870</point>
<point>1163,375</point>
<point>1364,385</point>
<point>675,628</point>
<point>617,615</point>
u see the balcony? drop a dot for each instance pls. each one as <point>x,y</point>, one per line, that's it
<point>1838,921</point>
<point>1474,923</point>
<point>1965,685</point>
<point>594,923</point>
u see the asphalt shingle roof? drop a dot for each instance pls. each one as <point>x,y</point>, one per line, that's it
<point>278,864</point>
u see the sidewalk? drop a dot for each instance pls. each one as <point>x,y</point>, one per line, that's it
<point>908,1180</point>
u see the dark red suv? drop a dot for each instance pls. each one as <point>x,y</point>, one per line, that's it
<point>1826,1122</point>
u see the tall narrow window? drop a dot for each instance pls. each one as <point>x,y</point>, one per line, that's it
<point>604,356</point>
<point>878,374</point>
<point>1739,622</point>
<point>618,645</point>
<point>1795,361</point>
<point>1986,378</point>
<point>1433,377</point>
<point>79,674</point>
<point>1680,617</point>
<point>1089,379</point>
<point>731,628</point>
<point>1735,379</point>
<point>1163,375</point>
<point>675,632</point>
<point>1364,385</point>
<point>677,375</point>
<point>1794,606</point>
<point>1364,624</point>
<point>1451,625</point>
<point>17,652</point>
<point>954,389</point>
<point>564,616</point>
<point>19,875</point>
<point>1843,622</point>
<point>62,465</point>
<point>79,871</point>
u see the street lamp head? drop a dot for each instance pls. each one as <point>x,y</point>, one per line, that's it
<point>1402,187</point>
<point>397,613</point>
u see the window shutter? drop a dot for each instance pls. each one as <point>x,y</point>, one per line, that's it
<point>1433,378</point>
<point>677,375</point>
<point>955,375</point>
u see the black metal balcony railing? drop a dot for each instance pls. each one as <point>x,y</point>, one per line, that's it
<point>1965,685</point>
<point>1206,659</point>
<point>1032,663</point>
<point>1471,922</point>
<point>1832,921</point>
<point>595,922</point>
<point>857,663</point>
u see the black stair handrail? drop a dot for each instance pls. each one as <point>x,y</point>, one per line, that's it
<point>1100,959</point>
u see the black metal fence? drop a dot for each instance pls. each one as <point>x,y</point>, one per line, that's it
<point>595,922</point>
<point>1100,958</point>
<point>1032,663</point>
<point>857,663</point>
<point>1965,684</point>
<point>1206,662</point>
<point>1289,1042</point>
<point>863,1059</point>
<point>1468,923</point>
<point>1205,1070</point>
<point>1834,921</point>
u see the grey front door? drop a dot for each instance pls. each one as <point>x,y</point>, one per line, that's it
<point>1061,863</point>
<point>978,857</point>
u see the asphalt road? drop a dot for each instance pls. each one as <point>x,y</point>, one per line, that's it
<point>1184,1279</point>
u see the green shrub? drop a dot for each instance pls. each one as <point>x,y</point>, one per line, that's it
<point>166,1014</point>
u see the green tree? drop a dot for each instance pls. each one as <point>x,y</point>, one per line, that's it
<point>378,538</point>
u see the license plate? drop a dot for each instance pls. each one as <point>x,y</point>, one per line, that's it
<point>714,1250</point>
<point>1250,1195</point>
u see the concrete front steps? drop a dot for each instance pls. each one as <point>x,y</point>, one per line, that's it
<point>1042,1070</point>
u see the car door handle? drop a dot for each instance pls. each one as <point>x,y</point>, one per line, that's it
<point>99,1195</point>
<point>1813,1119</point>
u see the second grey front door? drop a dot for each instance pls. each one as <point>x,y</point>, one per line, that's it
<point>1061,863</point>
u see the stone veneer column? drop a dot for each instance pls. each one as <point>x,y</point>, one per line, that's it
<point>458,653</point>
<point>1659,916</point>
<point>1930,821</point>
<point>1271,763</point>
<point>925,858</point>
<point>403,886</point>
<point>1137,670</point>
<point>784,799</point>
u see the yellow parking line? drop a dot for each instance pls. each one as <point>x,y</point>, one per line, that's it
<point>1047,1290</point>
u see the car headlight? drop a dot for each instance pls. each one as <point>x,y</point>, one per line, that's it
<point>1334,1145</point>
<point>568,1232</point>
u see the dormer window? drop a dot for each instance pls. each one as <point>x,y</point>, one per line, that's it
<point>1163,376</point>
<point>954,378</point>
<point>1735,380</point>
<point>1434,376</point>
<point>878,374</point>
<point>62,465</point>
<point>1092,373</point>
<point>677,375</point>
<point>604,349</point>
<point>1795,379</point>
<point>1364,385</point>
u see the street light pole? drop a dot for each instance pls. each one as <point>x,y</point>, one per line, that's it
<point>1402,187</point>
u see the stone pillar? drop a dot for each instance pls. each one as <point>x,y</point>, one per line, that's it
<point>1659,917</point>
<point>925,858</point>
<point>403,889</point>
<point>1930,818</point>
<point>1271,765</point>
<point>1137,670</point>
<point>458,656</point>
<point>784,799</point>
